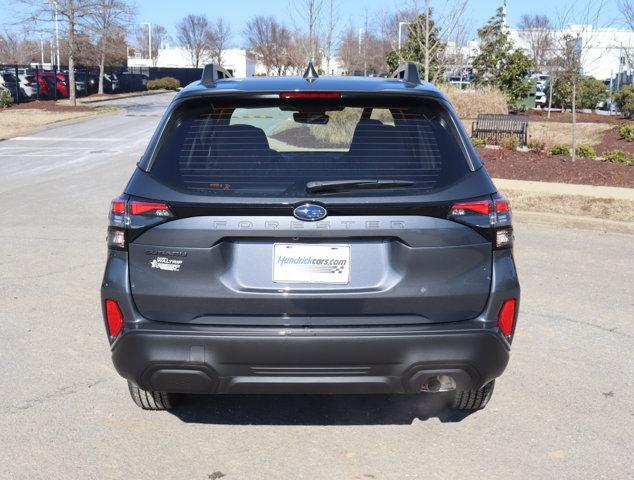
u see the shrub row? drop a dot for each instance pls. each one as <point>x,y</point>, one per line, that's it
<point>165,83</point>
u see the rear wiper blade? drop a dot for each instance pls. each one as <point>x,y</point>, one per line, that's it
<point>341,185</point>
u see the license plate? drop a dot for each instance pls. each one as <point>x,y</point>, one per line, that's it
<point>302,263</point>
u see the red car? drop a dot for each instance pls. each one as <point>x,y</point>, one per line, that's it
<point>49,79</point>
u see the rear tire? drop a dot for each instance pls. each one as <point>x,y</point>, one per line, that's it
<point>151,400</point>
<point>474,399</point>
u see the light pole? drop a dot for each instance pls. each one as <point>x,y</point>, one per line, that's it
<point>400,35</point>
<point>42,50</point>
<point>56,31</point>
<point>149,36</point>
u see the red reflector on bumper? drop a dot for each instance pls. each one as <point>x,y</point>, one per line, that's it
<point>506,317</point>
<point>114,318</point>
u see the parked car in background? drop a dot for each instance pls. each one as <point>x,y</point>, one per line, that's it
<point>60,85</point>
<point>11,83</point>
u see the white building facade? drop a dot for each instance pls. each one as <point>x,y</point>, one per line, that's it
<point>603,51</point>
<point>237,60</point>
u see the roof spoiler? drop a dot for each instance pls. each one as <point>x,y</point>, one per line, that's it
<point>212,73</point>
<point>408,72</point>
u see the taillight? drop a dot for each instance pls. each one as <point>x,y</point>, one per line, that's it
<point>157,209</point>
<point>487,213</point>
<point>114,318</point>
<point>130,216</point>
<point>506,317</point>
<point>286,95</point>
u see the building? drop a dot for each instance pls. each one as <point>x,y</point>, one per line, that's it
<point>604,52</point>
<point>237,60</point>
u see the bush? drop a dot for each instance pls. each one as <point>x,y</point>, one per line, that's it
<point>536,145</point>
<point>618,156</point>
<point>5,98</point>
<point>590,92</point>
<point>559,150</point>
<point>624,100</point>
<point>165,83</point>
<point>479,142</point>
<point>511,143</point>
<point>627,132</point>
<point>586,151</point>
<point>469,103</point>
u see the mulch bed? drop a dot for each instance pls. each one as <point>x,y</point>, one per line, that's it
<point>50,106</point>
<point>612,141</point>
<point>541,167</point>
<point>566,117</point>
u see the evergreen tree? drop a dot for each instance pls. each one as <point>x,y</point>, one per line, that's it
<point>499,64</point>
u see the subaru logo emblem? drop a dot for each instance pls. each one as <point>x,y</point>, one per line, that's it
<point>310,212</point>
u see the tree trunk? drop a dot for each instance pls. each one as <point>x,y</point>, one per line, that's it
<point>550,94</point>
<point>427,40</point>
<point>574,120</point>
<point>102,67</point>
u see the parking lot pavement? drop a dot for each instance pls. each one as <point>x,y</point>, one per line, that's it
<point>563,409</point>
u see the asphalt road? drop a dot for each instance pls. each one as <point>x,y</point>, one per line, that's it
<point>564,408</point>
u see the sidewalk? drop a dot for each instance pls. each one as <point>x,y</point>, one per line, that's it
<point>566,189</point>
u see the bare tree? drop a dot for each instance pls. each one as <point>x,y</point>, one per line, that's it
<point>72,16</point>
<point>219,36</point>
<point>194,33</point>
<point>269,41</point>
<point>306,16</point>
<point>159,37</point>
<point>574,50</point>
<point>16,48</point>
<point>109,19</point>
<point>329,35</point>
<point>348,50</point>
<point>626,8</point>
<point>537,31</point>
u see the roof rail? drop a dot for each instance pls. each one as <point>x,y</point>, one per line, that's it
<point>408,72</point>
<point>212,73</point>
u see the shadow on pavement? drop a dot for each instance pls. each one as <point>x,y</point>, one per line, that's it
<point>315,409</point>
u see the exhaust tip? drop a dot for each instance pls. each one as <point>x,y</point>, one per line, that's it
<point>438,383</point>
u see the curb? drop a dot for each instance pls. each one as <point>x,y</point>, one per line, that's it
<point>572,221</point>
<point>140,94</point>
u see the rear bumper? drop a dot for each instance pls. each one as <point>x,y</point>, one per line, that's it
<point>194,359</point>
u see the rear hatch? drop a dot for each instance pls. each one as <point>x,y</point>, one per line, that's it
<point>313,212</point>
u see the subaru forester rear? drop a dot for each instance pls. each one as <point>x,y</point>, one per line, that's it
<point>310,235</point>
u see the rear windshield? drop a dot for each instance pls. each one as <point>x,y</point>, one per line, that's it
<point>275,147</point>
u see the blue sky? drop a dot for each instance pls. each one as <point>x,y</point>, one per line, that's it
<point>238,12</point>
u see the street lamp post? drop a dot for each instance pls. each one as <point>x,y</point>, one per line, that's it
<point>56,31</point>
<point>400,35</point>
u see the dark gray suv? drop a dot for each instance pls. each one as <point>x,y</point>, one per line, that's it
<point>310,235</point>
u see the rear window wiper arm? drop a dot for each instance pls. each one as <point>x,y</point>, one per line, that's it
<point>341,185</point>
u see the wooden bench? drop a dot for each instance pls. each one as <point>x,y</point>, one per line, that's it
<point>496,127</point>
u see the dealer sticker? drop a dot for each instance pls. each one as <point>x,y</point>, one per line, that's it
<point>303,263</point>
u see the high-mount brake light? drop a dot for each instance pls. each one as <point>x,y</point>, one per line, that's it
<point>323,95</point>
<point>506,317</point>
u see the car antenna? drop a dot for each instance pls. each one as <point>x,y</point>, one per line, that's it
<point>310,75</point>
